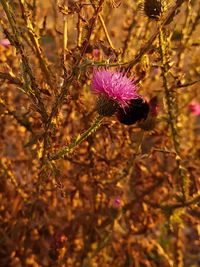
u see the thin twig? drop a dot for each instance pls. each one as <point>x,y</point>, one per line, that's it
<point>106,31</point>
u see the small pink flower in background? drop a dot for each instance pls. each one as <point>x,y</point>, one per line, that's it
<point>114,85</point>
<point>96,53</point>
<point>2,14</point>
<point>5,42</point>
<point>194,107</point>
<point>117,202</point>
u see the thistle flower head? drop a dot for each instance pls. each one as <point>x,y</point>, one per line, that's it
<point>153,9</point>
<point>114,85</point>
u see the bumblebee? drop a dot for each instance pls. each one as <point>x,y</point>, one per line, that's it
<point>137,111</point>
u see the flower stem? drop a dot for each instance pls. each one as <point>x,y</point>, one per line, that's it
<point>70,148</point>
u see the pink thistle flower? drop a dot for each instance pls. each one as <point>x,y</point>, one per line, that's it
<point>114,85</point>
<point>194,107</point>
